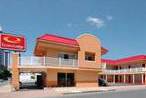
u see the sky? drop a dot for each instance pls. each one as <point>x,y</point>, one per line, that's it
<point>119,24</point>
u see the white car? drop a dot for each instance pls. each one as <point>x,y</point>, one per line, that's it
<point>28,79</point>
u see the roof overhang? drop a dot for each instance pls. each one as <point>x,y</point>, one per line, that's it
<point>43,45</point>
<point>128,60</point>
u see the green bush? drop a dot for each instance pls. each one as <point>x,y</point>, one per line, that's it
<point>4,74</point>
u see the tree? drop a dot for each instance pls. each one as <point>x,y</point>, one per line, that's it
<point>4,74</point>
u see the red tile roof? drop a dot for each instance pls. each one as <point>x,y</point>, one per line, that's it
<point>64,40</point>
<point>58,39</point>
<point>125,60</point>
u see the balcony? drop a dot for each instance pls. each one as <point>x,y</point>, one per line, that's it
<point>124,71</point>
<point>47,61</point>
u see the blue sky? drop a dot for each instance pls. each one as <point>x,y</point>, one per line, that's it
<point>120,24</point>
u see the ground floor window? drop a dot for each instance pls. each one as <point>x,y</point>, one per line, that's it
<point>65,79</point>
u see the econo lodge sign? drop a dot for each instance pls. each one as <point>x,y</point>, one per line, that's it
<point>12,42</point>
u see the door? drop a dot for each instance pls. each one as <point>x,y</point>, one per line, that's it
<point>61,79</point>
<point>40,81</point>
<point>116,78</point>
<point>129,79</point>
<point>65,79</point>
<point>70,79</point>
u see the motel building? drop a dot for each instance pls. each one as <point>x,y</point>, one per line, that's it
<point>61,62</point>
<point>130,70</point>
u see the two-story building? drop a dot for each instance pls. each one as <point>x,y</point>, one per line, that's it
<point>129,70</point>
<point>62,61</point>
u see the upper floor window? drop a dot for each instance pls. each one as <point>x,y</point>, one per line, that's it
<point>143,65</point>
<point>116,67</point>
<point>89,56</point>
<point>129,66</point>
<point>66,56</point>
<point>120,67</point>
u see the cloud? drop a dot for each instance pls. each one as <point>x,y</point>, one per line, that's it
<point>109,17</point>
<point>95,21</point>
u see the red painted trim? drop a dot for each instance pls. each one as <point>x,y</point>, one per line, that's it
<point>124,60</point>
<point>58,39</point>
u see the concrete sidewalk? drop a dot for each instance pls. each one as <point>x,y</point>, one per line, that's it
<point>5,88</point>
<point>70,90</point>
<point>30,93</point>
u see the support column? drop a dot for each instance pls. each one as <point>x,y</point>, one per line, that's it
<point>124,78</point>
<point>145,78</point>
<point>119,78</point>
<point>106,77</point>
<point>133,78</point>
<point>142,78</point>
<point>114,79</point>
<point>15,71</point>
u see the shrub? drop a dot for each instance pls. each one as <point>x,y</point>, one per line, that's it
<point>4,74</point>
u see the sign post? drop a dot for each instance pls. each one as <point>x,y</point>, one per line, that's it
<point>13,43</point>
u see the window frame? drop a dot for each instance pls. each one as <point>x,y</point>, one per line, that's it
<point>89,56</point>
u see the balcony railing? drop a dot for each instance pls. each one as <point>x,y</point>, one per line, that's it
<point>47,61</point>
<point>122,71</point>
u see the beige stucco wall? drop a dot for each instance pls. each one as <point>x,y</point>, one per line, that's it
<point>89,43</point>
<point>86,79</point>
<point>88,76</point>
<point>81,77</point>
<point>51,76</point>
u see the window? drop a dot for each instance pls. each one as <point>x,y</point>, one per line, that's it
<point>143,65</point>
<point>120,67</point>
<point>89,56</point>
<point>116,67</point>
<point>129,66</point>
<point>66,56</point>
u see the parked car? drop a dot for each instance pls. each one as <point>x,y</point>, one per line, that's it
<point>27,79</point>
<point>31,80</point>
<point>102,82</point>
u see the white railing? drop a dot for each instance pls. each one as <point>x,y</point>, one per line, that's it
<point>120,71</point>
<point>47,61</point>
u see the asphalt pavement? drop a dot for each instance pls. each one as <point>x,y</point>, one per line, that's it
<point>139,93</point>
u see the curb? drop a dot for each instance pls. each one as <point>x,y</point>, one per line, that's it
<point>79,92</point>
